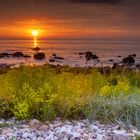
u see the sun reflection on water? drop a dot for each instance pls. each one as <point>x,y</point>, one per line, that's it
<point>35,42</point>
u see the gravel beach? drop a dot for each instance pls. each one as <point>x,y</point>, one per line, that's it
<point>66,130</point>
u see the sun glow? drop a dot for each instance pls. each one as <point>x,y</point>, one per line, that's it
<point>35,33</point>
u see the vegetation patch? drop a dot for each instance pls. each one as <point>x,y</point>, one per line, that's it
<point>45,93</point>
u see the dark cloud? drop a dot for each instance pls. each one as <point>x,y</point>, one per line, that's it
<point>96,1</point>
<point>73,1</point>
<point>81,1</point>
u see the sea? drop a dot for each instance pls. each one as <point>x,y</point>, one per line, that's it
<point>109,50</point>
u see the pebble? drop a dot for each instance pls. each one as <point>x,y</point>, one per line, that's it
<point>68,130</point>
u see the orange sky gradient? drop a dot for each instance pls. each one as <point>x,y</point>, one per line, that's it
<point>69,20</point>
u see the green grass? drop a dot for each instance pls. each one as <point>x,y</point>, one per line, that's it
<point>45,93</point>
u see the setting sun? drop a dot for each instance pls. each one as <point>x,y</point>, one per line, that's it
<point>35,33</point>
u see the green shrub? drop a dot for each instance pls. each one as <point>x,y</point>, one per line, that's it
<point>46,93</point>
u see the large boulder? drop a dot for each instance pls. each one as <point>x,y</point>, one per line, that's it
<point>129,60</point>
<point>18,54</point>
<point>39,56</point>
<point>90,56</point>
<point>94,56</point>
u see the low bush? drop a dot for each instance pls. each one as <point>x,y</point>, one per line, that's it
<point>70,93</point>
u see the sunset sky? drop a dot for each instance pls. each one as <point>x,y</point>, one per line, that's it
<point>70,18</point>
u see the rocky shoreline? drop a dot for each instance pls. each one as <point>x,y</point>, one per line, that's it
<point>13,129</point>
<point>90,59</point>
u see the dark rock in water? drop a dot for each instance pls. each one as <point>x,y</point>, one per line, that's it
<point>36,49</point>
<point>134,55</point>
<point>81,53</point>
<point>61,58</point>
<point>94,56</point>
<point>54,54</point>
<point>88,55</point>
<point>111,60</point>
<point>18,54</point>
<point>129,60</point>
<point>39,56</point>
<point>4,55</point>
<point>119,56</point>
<point>27,56</point>
<point>51,60</point>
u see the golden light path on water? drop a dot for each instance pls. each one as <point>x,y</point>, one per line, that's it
<point>35,34</point>
<point>35,42</point>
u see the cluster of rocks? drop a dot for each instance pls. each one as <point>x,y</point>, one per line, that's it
<point>68,130</point>
<point>15,55</point>
<point>89,55</point>
<point>128,61</point>
<point>55,58</point>
<point>37,56</point>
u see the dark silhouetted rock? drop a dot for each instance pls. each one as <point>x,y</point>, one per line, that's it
<point>4,55</point>
<point>36,49</point>
<point>111,60</point>
<point>119,56</point>
<point>18,54</point>
<point>51,60</point>
<point>134,55</point>
<point>128,60</point>
<point>39,56</point>
<point>81,53</point>
<point>88,55</point>
<point>54,54</point>
<point>27,56</point>
<point>94,56</point>
<point>60,58</point>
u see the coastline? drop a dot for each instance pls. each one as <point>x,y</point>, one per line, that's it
<point>69,93</point>
<point>65,130</point>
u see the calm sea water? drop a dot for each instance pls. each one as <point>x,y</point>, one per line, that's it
<point>106,49</point>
